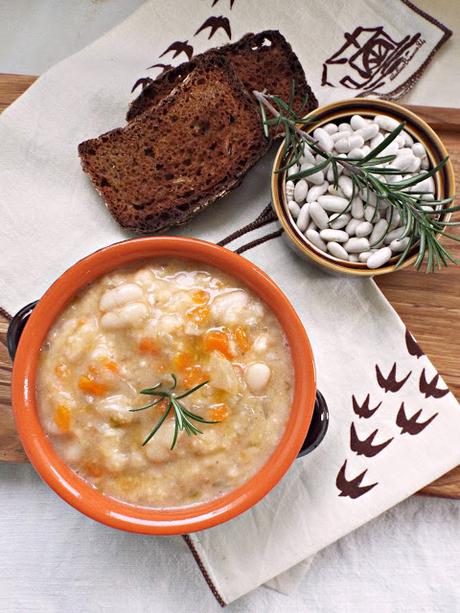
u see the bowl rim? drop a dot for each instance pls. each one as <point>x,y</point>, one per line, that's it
<point>78,492</point>
<point>350,107</point>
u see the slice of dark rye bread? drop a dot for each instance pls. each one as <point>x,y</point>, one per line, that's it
<point>263,61</point>
<point>181,155</point>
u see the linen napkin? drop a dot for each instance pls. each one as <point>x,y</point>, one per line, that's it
<point>370,369</point>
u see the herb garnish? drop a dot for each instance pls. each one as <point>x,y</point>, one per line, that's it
<point>182,415</point>
<point>422,218</point>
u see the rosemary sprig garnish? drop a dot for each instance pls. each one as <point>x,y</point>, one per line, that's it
<point>182,416</point>
<point>421,224</point>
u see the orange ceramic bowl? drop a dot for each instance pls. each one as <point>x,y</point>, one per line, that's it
<point>78,492</point>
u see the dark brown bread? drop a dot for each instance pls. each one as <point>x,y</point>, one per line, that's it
<point>263,61</point>
<point>181,155</point>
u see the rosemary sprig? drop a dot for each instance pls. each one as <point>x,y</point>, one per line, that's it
<point>182,416</point>
<point>421,225</point>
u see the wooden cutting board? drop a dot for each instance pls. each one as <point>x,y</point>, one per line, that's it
<point>428,304</point>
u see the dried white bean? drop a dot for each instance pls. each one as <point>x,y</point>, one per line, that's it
<point>357,122</point>
<point>400,140</point>
<point>317,178</point>
<point>357,208</point>
<point>319,215</point>
<point>304,217</point>
<point>330,173</point>
<point>300,191</point>
<point>346,185</point>
<point>345,127</point>
<point>371,213</point>
<point>419,150</point>
<point>399,245</point>
<point>366,150</point>
<point>335,204</point>
<point>391,149</point>
<point>368,131</point>
<point>337,250</point>
<point>315,239</point>
<point>293,170</point>
<point>378,232</point>
<point>393,235</point>
<point>289,190</point>
<point>376,140</point>
<point>356,245</point>
<point>339,236</point>
<point>294,209</point>
<point>120,295</point>
<point>337,222</point>
<point>415,165</point>
<point>425,163</point>
<point>427,185</point>
<point>386,123</point>
<point>408,140</point>
<point>316,191</point>
<point>364,255</point>
<point>307,157</point>
<point>393,178</point>
<point>393,217</point>
<point>335,191</point>
<point>311,226</point>
<point>356,154</point>
<point>351,226</point>
<point>353,257</point>
<point>364,228</point>
<point>380,257</point>
<point>331,128</point>
<point>347,143</point>
<point>324,139</point>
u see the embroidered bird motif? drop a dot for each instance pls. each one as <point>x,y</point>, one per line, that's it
<point>179,47</point>
<point>352,488</point>
<point>390,383</point>
<point>363,410</point>
<point>412,346</point>
<point>411,425</point>
<point>143,81</point>
<point>216,23</point>
<point>366,447</point>
<point>165,67</point>
<point>232,2</point>
<point>429,388</point>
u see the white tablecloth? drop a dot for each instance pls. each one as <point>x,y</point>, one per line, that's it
<point>406,560</point>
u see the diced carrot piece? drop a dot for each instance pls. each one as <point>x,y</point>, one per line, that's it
<point>219,412</point>
<point>200,296</point>
<point>219,396</point>
<point>93,469</point>
<point>216,340</point>
<point>194,375</point>
<point>148,345</point>
<point>199,315</point>
<point>182,360</point>
<point>93,369</point>
<point>81,322</point>
<point>62,417</point>
<point>62,371</point>
<point>89,386</point>
<point>110,365</point>
<point>241,338</point>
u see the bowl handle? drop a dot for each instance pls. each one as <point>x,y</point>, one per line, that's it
<point>17,326</point>
<point>318,426</point>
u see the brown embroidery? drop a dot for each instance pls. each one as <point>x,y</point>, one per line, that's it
<point>216,23</point>
<point>179,47</point>
<point>412,346</point>
<point>429,388</point>
<point>267,216</point>
<point>164,67</point>
<point>259,241</point>
<point>143,81</point>
<point>366,447</point>
<point>232,2</point>
<point>203,570</point>
<point>369,59</point>
<point>352,488</point>
<point>411,425</point>
<point>363,410</point>
<point>390,383</point>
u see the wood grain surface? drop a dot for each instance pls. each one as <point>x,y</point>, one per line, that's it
<point>428,304</point>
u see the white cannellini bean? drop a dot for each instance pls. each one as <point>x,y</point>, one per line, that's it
<point>311,226</point>
<point>120,295</point>
<point>316,191</point>
<point>293,170</point>
<point>304,217</point>
<point>337,250</point>
<point>378,138</point>
<point>356,154</point>
<point>335,191</point>
<point>403,160</point>
<point>391,149</point>
<point>393,178</point>
<point>368,131</point>
<point>356,245</point>
<point>364,228</point>
<point>319,215</point>
<point>366,150</point>
<point>339,236</point>
<point>379,258</point>
<point>393,235</point>
<point>427,185</point>
<point>289,188</point>
<point>400,140</point>
<point>335,204</point>
<point>415,165</point>
<point>386,123</point>
<point>347,143</point>
<point>364,255</point>
<point>408,140</point>
<point>425,163</point>
<point>317,178</point>
<point>134,314</point>
<point>378,232</point>
<point>331,128</point>
<point>260,344</point>
<point>419,150</point>
<point>353,257</point>
<point>300,191</point>
<point>330,173</point>
<point>307,157</point>
<point>346,185</point>
<point>337,222</point>
<point>315,239</point>
<point>393,217</point>
<point>398,245</point>
<point>357,122</point>
<point>294,209</point>
<point>324,139</point>
<point>257,376</point>
<point>357,208</point>
<point>371,213</point>
<point>351,226</point>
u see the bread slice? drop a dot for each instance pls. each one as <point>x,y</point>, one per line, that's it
<point>181,155</point>
<point>263,61</point>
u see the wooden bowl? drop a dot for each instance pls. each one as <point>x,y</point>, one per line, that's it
<point>336,113</point>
